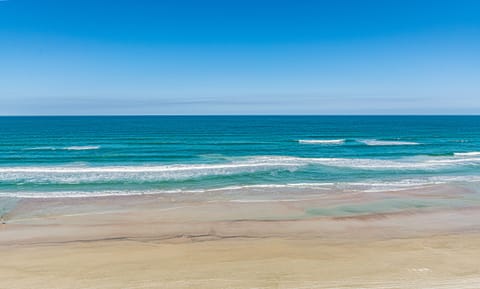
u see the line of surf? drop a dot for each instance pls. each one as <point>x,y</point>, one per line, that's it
<point>467,154</point>
<point>314,187</point>
<point>374,142</point>
<point>258,162</point>
<point>68,148</point>
<point>322,141</point>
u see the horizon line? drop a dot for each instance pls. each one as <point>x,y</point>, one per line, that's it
<point>142,115</point>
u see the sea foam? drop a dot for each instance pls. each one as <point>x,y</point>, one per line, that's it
<point>148,173</point>
<point>81,148</point>
<point>68,148</point>
<point>467,154</point>
<point>374,142</point>
<point>46,148</point>
<point>322,141</point>
<point>315,188</point>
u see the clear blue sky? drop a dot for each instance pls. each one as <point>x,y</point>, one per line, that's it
<point>239,57</point>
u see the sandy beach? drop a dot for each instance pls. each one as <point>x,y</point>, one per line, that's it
<point>435,262</point>
<point>239,144</point>
<point>194,241</point>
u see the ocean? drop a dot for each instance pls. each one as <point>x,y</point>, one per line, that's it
<point>46,157</point>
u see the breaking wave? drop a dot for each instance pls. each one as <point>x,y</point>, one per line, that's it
<point>312,188</point>
<point>148,173</point>
<point>467,154</point>
<point>374,142</point>
<point>69,148</point>
<point>322,141</point>
<point>81,148</point>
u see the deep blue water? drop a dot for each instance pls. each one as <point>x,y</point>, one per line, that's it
<point>49,156</point>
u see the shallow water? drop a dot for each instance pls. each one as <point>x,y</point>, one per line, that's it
<point>88,156</point>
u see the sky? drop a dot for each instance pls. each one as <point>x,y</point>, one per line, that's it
<point>101,57</point>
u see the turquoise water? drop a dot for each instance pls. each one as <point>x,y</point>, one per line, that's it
<point>77,156</point>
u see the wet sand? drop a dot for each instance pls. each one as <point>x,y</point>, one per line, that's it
<point>171,241</point>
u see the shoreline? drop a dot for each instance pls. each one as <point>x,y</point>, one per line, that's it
<point>198,241</point>
<point>392,214</point>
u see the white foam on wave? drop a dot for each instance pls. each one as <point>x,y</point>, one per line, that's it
<point>311,188</point>
<point>467,154</point>
<point>81,148</point>
<point>85,174</point>
<point>319,186</point>
<point>46,148</point>
<point>77,174</point>
<point>322,141</point>
<point>69,148</point>
<point>374,142</point>
<point>85,194</point>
